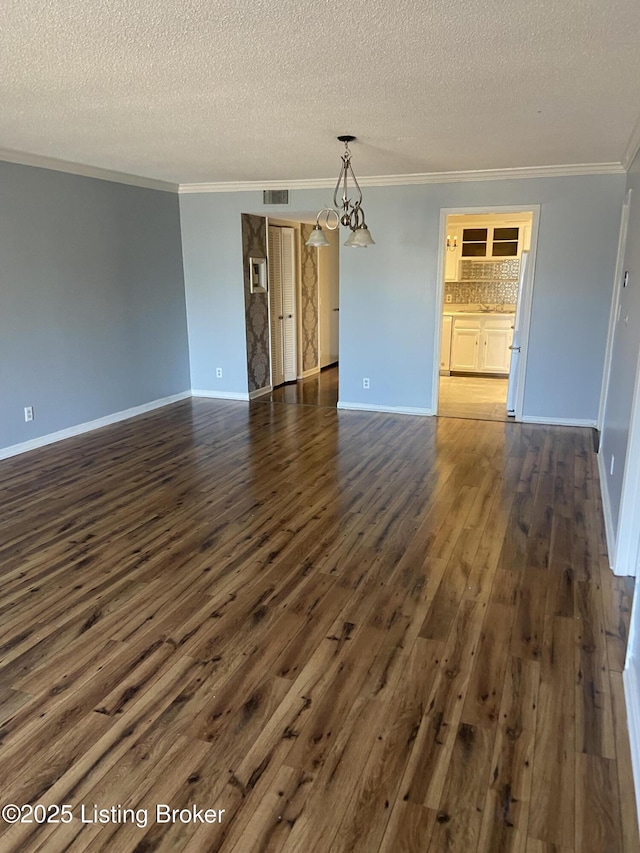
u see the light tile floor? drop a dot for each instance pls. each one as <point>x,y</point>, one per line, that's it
<point>480,397</point>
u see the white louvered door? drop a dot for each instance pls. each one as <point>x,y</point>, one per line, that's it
<point>282,302</point>
<point>289,305</point>
<point>275,306</point>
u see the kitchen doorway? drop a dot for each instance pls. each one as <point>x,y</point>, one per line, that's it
<point>485,279</point>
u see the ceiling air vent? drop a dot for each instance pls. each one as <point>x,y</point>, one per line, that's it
<point>275,196</point>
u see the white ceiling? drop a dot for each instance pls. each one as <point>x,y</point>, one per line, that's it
<point>249,90</point>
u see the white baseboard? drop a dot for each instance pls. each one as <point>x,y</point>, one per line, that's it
<point>311,372</point>
<point>222,395</point>
<point>631,681</point>
<point>393,410</point>
<point>260,391</point>
<point>606,510</point>
<point>571,422</point>
<point>79,429</point>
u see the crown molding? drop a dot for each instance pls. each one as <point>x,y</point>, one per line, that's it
<point>632,148</point>
<point>564,171</point>
<point>41,162</point>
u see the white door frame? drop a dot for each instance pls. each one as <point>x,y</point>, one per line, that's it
<point>615,301</point>
<point>534,210</point>
<point>627,549</point>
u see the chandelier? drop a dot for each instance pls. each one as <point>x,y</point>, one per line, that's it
<point>345,212</point>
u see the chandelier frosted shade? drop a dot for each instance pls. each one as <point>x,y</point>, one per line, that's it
<point>317,237</point>
<point>360,238</point>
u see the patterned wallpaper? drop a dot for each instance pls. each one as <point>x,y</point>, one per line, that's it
<point>309,301</point>
<point>256,307</point>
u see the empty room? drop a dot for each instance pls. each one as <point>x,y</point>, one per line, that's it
<point>304,548</point>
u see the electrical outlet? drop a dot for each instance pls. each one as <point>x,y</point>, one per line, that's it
<point>448,298</point>
<point>28,413</point>
<point>613,460</point>
<point>365,383</point>
<point>218,373</point>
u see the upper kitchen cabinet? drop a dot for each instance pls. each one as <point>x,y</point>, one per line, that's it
<point>475,242</point>
<point>484,237</point>
<point>493,241</point>
<point>505,243</point>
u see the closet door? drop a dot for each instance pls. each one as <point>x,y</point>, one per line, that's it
<point>275,306</point>
<point>282,305</point>
<point>290,363</point>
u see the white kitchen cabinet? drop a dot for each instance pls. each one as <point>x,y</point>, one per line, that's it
<point>495,354</point>
<point>445,344</point>
<point>480,343</point>
<point>465,348</point>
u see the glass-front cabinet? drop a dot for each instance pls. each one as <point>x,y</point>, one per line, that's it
<point>491,242</point>
<point>484,240</point>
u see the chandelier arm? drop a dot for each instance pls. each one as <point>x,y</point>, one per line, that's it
<point>328,212</point>
<point>357,185</point>
<point>356,217</point>
<point>341,176</point>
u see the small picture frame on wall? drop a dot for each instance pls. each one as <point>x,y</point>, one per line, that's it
<point>258,275</point>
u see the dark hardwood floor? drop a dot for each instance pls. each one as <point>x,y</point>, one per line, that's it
<point>321,389</point>
<point>349,631</point>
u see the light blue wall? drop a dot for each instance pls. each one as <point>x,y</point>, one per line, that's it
<point>92,312</point>
<point>624,358</point>
<point>388,310</point>
<point>214,287</point>
<point>92,295</point>
<point>388,313</point>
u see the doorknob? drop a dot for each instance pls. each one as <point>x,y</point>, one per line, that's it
<point>517,349</point>
<point>336,309</point>
<point>289,316</point>
<point>280,317</point>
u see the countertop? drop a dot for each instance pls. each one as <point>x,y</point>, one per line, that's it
<point>478,313</point>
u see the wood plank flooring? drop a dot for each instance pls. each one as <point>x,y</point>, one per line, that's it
<point>321,389</point>
<point>349,631</point>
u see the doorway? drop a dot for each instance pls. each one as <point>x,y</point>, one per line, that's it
<point>304,314</point>
<point>282,304</point>
<point>329,300</point>
<point>484,297</point>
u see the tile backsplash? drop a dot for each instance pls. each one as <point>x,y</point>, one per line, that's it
<point>490,270</point>
<point>488,282</point>
<point>489,292</point>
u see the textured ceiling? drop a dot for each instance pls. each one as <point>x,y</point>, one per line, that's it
<point>248,90</point>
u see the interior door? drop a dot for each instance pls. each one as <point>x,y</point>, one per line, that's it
<point>512,390</point>
<point>275,306</point>
<point>289,326</point>
<point>282,305</point>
